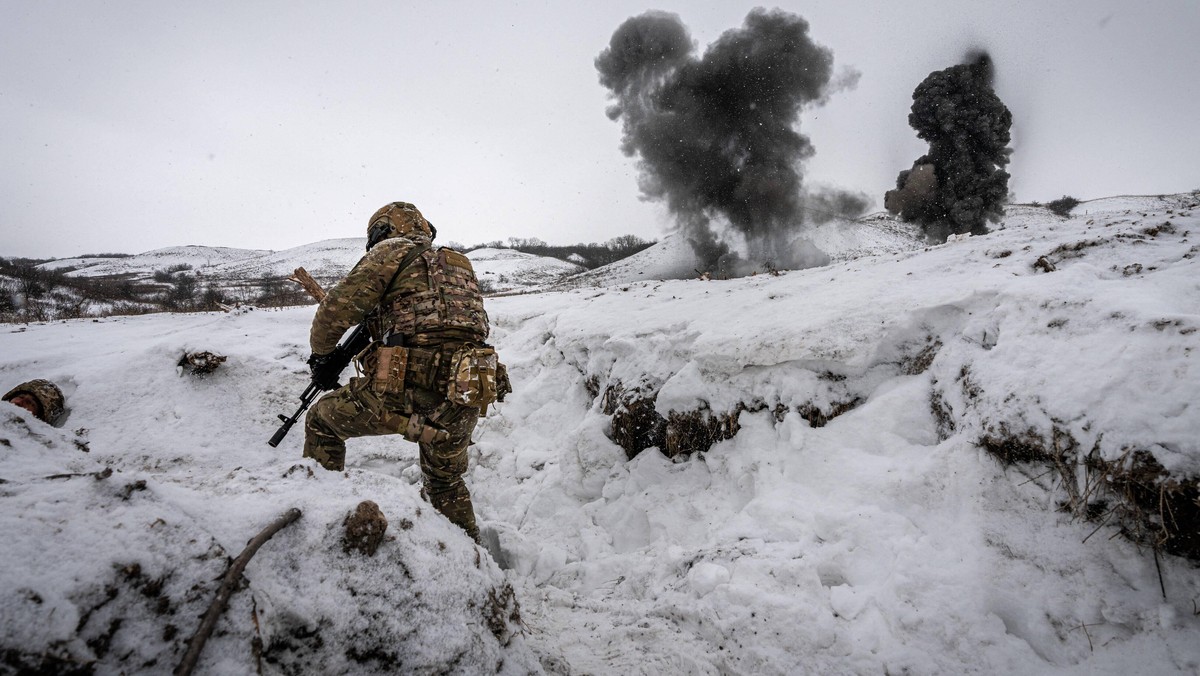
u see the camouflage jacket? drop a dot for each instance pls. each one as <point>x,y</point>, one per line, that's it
<point>435,300</point>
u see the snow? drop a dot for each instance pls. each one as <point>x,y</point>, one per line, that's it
<point>145,264</point>
<point>672,257</point>
<point>328,259</point>
<point>501,270</point>
<point>669,258</point>
<point>877,543</point>
<point>208,483</point>
<point>77,263</point>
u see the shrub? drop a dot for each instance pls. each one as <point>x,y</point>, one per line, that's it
<point>1063,206</point>
<point>166,275</point>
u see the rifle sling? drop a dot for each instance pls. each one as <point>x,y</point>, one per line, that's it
<point>404,263</point>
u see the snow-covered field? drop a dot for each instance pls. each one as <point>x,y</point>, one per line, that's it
<point>886,541</point>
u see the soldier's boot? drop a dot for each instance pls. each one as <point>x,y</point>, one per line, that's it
<point>454,502</point>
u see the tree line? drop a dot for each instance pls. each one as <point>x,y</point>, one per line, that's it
<point>590,256</point>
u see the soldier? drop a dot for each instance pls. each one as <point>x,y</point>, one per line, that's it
<point>42,398</point>
<point>427,374</point>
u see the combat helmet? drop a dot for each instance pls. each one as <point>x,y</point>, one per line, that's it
<point>398,219</point>
<point>50,399</point>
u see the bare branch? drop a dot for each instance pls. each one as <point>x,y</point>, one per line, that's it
<point>196,643</point>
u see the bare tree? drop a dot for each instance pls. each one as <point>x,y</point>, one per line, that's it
<point>31,282</point>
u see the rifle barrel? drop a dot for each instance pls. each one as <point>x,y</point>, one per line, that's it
<point>306,400</point>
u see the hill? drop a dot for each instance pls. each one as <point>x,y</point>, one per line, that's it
<point>327,260</point>
<point>673,258</point>
<point>501,270</point>
<point>145,264</point>
<point>977,457</point>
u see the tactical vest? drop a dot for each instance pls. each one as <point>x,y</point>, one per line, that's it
<point>436,301</point>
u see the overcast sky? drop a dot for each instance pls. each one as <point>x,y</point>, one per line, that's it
<point>129,126</point>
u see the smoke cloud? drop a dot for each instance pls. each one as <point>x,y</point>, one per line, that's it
<point>716,136</point>
<point>959,186</point>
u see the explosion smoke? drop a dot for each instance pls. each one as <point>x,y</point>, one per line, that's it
<point>959,185</point>
<point>715,136</point>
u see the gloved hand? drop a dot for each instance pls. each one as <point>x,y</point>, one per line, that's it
<point>325,371</point>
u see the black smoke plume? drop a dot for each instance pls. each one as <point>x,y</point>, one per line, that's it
<point>960,184</point>
<point>716,136</point>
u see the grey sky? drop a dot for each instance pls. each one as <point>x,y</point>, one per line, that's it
<point>128,126</point>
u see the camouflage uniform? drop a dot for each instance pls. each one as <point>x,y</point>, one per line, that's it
<point>51,403</point>
<point>432,308</point>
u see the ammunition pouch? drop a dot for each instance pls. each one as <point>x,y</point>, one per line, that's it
<point>473,379</point>
<point>386,368</point>
<point>425,369</point>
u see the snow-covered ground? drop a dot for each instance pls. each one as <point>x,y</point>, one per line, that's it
<point>885,541</point>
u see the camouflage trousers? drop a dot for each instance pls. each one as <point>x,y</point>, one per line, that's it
<point>355,410</point>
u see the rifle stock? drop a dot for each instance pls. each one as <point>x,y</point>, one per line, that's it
<point>354,342</point>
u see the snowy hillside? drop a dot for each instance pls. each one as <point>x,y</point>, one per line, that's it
<point>145,264</point>
<point>502,270</point>
<point>327,261</point>
<point>907,462</point>
<point>669,258</point>
<point>672,257</point>
<point>79,263</point>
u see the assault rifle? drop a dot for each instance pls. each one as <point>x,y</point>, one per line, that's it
<point>352,344</point>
